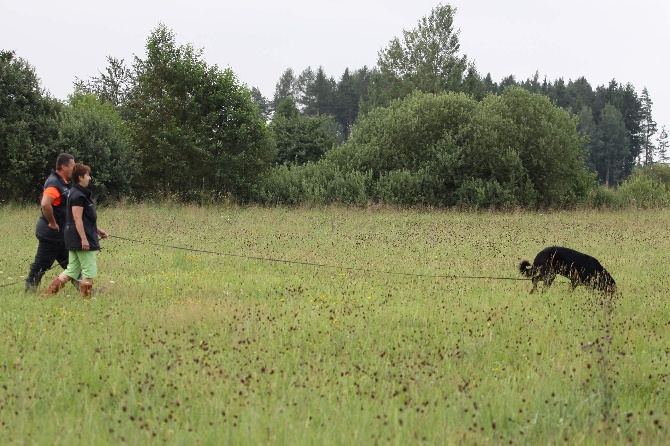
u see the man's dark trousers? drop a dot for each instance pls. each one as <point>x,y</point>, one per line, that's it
<point>48,252</point>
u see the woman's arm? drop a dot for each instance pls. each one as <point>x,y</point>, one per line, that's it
<point>77,212</point>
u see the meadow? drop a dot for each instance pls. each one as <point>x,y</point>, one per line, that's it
<point>378,334</point>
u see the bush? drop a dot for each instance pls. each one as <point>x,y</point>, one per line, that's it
<point>643,193</point>
<point>401,187</point>
<point>478,193</point>
<point>659,173</point>
<point>448,149</point>
<point>602,197</point>
<point>317,183</point>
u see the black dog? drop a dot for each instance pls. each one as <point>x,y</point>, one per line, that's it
<point>580,268</point>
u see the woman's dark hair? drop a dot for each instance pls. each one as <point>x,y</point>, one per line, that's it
<point>79,171</point>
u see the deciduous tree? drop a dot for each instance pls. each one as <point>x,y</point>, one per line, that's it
<point>113,86</point>
<point>426,59</point>
<point>28,130</point>
<point>95,134</point>
<point>195,127</point>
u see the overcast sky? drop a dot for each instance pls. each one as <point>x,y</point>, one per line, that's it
<point>598,39</point>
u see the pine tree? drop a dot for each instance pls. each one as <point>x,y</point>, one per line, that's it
<point>662,140</point>
<point>611,161</point>
<point>649,128</point>
<point>318,94</point>
<point>264,106</point>
<point>287,87</point>
<point>346,106</point>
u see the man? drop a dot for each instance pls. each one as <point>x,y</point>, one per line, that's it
<point>50,226</point>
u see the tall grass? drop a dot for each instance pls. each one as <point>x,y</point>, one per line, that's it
<point>190,347</point>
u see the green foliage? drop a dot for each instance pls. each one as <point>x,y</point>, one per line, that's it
<point>97,136</point>
<point>476,86</point>
<point>647,187</point>
<point>287,87</point>
<point>601,197</point>
<point>625,147</point>
<point>425,59</point>
<point>658,173</point>
<point>113,86</point>
<point>28,130</point>
<point>579,94</point>
<point>410,134</point>
<point>477,193</point>
<point>300,138</point>
<point>352,89</point>
<point>662,141</point>
<point>648,129</point>
<point>629,105</point>
<point>514,149</point>
<point>264,106</point>
<point>197,121</point>
<point>315,183</point>
<point>546,141</point>
<point>317,93</point>
<point>404,188</point>
<point>641,192</point>
<point>610,160</point>
<point>591,137</point>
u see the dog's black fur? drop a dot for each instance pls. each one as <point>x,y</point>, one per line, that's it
<point>580,268</point>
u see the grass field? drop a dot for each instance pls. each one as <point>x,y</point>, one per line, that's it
<point>189,347</point>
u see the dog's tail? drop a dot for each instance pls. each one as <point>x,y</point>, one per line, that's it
<point>525,268</point>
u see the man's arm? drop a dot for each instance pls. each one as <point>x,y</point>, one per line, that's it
<point>48,211</point>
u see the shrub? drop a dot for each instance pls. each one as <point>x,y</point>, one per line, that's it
<point>478,193</point>
<point>317,183</point>
<point>643,193</point>
<point>602,197</point>
<point>401,187</point>
<point>659,173</point>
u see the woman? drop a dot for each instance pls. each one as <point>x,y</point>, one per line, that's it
<point>81,235</point>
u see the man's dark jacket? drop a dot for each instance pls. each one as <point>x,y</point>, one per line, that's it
<point>42,230</point>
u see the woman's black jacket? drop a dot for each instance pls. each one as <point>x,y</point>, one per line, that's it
<point>89,216</point>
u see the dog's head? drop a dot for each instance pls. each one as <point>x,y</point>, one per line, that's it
<point>610,288</point>
<point>606,283</point>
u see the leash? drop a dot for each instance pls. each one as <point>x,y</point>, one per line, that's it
<point>319,265</point>
<point>10,284</point>
<point>21,281</point>
<point>298,262</point>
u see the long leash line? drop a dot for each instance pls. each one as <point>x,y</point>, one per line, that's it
<point>320,265</point>
<point>21,281</point>
<point>297,262</point>
<point>50,268</point>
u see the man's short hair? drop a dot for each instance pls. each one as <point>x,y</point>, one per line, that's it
<point>63,160</point>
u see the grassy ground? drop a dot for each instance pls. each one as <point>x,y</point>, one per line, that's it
<point>190,347</point>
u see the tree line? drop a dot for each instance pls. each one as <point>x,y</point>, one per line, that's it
<point>421,127</point>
